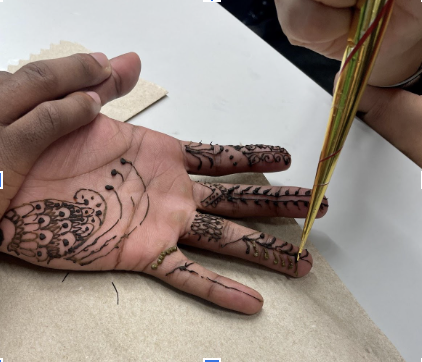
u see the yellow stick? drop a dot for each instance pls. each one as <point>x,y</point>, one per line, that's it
<point>369,23</point>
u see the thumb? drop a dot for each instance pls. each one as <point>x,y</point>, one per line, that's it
<point>25,139</point>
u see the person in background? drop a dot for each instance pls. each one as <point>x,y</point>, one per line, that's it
<point>391,104</point>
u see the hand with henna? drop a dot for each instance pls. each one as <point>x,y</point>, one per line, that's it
<point>85,192</point>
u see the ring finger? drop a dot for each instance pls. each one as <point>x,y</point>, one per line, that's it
<point>225,237</point>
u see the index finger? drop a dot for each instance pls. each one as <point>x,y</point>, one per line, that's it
<point>217,160</point>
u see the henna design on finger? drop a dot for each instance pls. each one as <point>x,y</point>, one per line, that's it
<point>252,153</point>
<point>162,255</point>
<point>50,229</point>
<point>258,195</point>
<point>183,268</point>
<point>207,152</point>
<point>263,153</point>
<point>207,226</point>
<point>267,243</point>
<point>232,288</point>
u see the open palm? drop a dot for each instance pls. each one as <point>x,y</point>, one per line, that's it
<point>111,195</point>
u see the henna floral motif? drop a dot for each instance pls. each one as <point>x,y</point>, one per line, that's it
<point>257,195</point>
<point>72,230</point>
<point>207,226</point>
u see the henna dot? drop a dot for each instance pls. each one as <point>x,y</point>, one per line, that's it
<point>231,157</point>
<point>40,220</point>
<point>307,193</point>
<point>262,236</point>
<point>98,212</point>
<point>122,161</point>
<point>87,228</point>
<point>38,206</point>
<point>113,172</point>
<point>65,242</point>
<point>39,253</point>
<point>297,192</point>
<point>86,211</point>
<point>109,187</point>
<point>65,225</point>
<point>98,205</point>
<point>61,213</point>
<point>234,163</point>
<point>56,204</point>
<point>92,220</point>
<point>226,150</point>
<point>92,197</point>
<point>86,201</point>
<point>42,236</point>
<point>287,193</point>
<point>83,196</point>
<point>154,266</point>
<point>295,203</point>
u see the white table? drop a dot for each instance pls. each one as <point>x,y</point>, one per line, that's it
<point>227,85</point>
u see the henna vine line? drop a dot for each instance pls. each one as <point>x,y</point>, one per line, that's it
<point>187,265</point>
<point>253,240</point>
<point>258,195</point>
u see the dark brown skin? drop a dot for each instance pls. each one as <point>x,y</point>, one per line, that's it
<point>85,192</point>
<point>394,113</point>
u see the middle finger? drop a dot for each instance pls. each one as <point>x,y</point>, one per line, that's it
<point>235,200</point>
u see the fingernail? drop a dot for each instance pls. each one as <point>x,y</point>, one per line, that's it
<point>95,97</point>
<point>102,59</point>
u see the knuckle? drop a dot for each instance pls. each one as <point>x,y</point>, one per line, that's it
<point>87,65</point>
<point>48,118</point>
<point>118,85</point>
<point>40,73</point>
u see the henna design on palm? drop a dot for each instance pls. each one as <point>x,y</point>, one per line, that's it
<point>51,229</point>
<point>259,195</point>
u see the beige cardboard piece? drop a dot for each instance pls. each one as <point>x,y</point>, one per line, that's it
<point>142,96</point>
<point>314,318</point>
